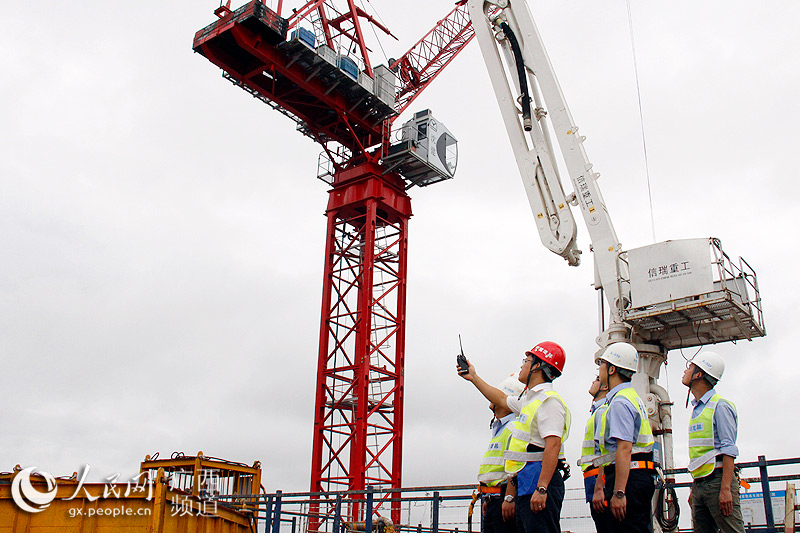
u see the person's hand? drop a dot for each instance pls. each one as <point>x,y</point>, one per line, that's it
<point>538,501</point>
<point>484,506</point>
<point>618,507</point>
<point>599,499</point>
<point>509,511</point>
<point>469,374</point>
<point>725,500</point>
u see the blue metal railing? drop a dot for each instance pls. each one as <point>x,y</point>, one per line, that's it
<point>446,509</point>
<point>764,478</point>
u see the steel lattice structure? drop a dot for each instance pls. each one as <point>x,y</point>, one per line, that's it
<point>359,408</point>
<point>358,420</point>
<point>425,60</point>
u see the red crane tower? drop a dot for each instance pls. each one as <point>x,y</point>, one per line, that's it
<point>314,67</point>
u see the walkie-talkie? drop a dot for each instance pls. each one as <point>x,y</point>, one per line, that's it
<point>463,365</point>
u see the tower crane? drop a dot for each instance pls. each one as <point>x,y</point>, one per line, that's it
<point>312,64</point>
<point>668,295</point>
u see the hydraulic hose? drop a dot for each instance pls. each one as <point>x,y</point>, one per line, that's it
<point>523,78</point>
<point>667,509</point>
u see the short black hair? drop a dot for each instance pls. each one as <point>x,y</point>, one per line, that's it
<point>711,380</point>
<point>549,372</point>
<point>624,374</point>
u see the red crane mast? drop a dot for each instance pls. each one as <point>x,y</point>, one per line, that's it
<point>310,77</point>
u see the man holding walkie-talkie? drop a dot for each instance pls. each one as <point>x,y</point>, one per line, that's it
<point>534,460</point>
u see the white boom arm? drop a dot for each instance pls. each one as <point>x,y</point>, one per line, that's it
<point>520,71</point>
<point>521,74</point>
<point>505,29</point>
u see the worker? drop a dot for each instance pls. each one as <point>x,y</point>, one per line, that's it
<point>712,449</point>
<point>497,508</point>
<point>590,452</point>
<point>625,442</point>
<point>535,457</point>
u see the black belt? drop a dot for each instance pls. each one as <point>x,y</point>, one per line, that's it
<point>645,461</point>
<point>561,466</point>
<point>714,473</point>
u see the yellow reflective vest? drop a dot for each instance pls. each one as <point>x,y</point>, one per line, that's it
<point>702,454</point>
<point>517,453</point>
<point>644,433</point>
<point>491,471</point>
<point>588,453</point>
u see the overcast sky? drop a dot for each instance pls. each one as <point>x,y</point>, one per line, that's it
<point>162,231</point>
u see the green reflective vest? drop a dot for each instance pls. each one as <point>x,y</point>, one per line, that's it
<point>588,453</point>
<point>517,453</point>
<point>702,454</point>
<point>644,434</point>
<point>491,471</point>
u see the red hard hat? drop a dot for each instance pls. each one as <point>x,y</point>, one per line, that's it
<point>551,353</point>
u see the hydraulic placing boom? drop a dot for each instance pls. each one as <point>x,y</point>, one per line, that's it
<point>513,33</point>
<point>721,303</point>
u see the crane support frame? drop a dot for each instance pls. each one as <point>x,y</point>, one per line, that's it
<point>360,388</point>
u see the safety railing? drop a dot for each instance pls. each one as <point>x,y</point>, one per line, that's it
<point>770,498</point>
<point>444,509</point>
<point>456,508</point>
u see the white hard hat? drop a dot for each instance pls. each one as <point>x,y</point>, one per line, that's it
<point>711,363</point>
<point>511,386</point>
<point>621,355</point>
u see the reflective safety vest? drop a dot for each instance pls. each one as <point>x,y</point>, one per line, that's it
<point>702,454</point>
<point>644,433</point>
<point>588,453</point>
<point>517,454</point>
<point>491,471</point>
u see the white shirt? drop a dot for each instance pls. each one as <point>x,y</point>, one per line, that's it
<point>550,417</point>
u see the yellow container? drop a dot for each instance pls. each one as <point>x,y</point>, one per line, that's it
<point>146,507</point>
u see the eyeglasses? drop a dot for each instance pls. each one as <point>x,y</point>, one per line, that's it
<point>527,360</point>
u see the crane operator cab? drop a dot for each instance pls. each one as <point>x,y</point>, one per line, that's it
<point>427,152</point>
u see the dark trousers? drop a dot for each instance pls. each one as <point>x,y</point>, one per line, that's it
<point>601,519</point>
<point>639,497</point>
<point>549,519</point>
<point>493,519</point>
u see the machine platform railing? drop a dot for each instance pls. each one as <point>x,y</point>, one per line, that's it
<point>728,308</point>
